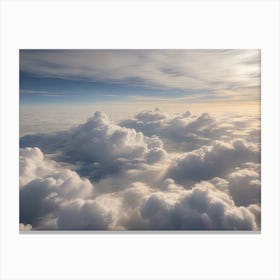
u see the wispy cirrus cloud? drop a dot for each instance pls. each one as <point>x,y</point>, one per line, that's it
<point>173,69</point>
<point>41,93</point>
<point>31,91</point>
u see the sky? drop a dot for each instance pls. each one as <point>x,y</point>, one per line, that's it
<point>139,76</point>
<point>127,140</point>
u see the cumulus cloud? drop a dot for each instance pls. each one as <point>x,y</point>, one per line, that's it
<point>86,215</point>
<point>245,186</point>
<point>100,147</point>
<point>214,160</point>
<point>101,175</point>
<point>33,165</point>
<point>186,131</point>
<point>45,185</point>
<point>204,207</point>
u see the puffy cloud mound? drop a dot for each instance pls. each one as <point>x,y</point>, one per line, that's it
<point>245,185</point>
<point>100,147</point>
<point>33,165</point>
<point>86,215</point>
<point>204,207</point>
<point>46,184</point>
<point>214,160</point>
<point>134,176</point>
<point>99,140</point>
<point>185,132</point>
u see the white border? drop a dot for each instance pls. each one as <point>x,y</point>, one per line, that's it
<point>155,24</point>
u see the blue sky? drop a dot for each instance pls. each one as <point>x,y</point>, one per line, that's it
<point>114,76</point>
<point>38,89</point>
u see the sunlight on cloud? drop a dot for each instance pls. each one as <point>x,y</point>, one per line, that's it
<point>103,176</point>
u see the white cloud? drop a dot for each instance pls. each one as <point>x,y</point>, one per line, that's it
<point>33,165</point>
<point>204,207</point>
<point>45,185</point>
<point>23,227</point>
<point>215,160</point>
<point>179,69</point>
<point>61,202</point>
<point>186,131</point>
<point>125,180</point>
<point>245,186</point>
<point>86,215</point>
<point>100,147</point>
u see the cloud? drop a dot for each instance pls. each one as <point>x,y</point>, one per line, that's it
<point>63,200</point>
<point>86,215</point>
<point>23,227</point>
<point>100,175</point>
<point>45,185</point>
<point>176,69</point>
<point>204,207</point>
<point>100,147</point>
<point>33,165</point>
<point>245,185</point>
<point>214,160</point>
<point>186,131</point>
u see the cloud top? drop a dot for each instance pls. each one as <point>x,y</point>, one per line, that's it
<point>101,175</point>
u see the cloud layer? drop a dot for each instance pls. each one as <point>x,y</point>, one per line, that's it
<point>176,69</point>
<point>155,171</point>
